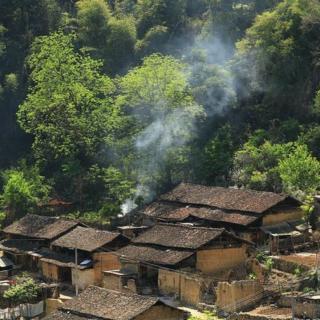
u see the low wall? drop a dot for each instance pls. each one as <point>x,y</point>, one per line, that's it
<point>187,289</point>
<point>238,295</point>
<point>288,266</point>
<point>83,278</point>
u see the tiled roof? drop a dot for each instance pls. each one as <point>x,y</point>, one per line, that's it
<point>101,303</point>
<point>167,212</point>
<point>178,236</point>
<point>41,227</point>
<point>66,315</point>
<point>169,257</point>
<point>225,198</point>
<point>87,239</point>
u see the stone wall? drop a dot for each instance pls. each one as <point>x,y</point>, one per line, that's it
<point>238,295</point>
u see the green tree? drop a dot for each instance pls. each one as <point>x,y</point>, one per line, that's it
<point>104,36</point>
<point>69,108</point>
<point>218,157</point>
<point>256,167</point>
<point>120,44</point>
<point>154,41</point>
<point>168,13</point>
<point>300,171</point>
<point>69,111</point>
<point>277,52</point>
<point>164,112</point>
<point>93,17</point>
<point>23,189</point>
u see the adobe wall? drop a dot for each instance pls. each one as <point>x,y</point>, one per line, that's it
<point>104,261</point>
<point>161,312</point>
<point>188,289</point>
<point>169,282</point>
<point>282,216</point>
<point>211,261</point>
<point>238,295</point>
<point>50,271</point>
<point>83,278</point>
<point>191,290</point>
<point>111,281</point>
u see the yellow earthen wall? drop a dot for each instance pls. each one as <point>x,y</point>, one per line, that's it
<point>235,296</point>
<point>104,261</point>
<point>169,282</point>
<point>282,216</point>
<point>187,289</point>
<point>52,305</point>
<point>111,281</point>
<point>83,278</point>
<point>211,261</point>
<point>50,271</point>
<point>190,290</point>
<point>161,312</point>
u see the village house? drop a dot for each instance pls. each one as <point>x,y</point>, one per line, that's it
<point>156,259</point>
<point>31,233</point>
<point>98,303</point>
<point>80,256</point>
<point>242,211</point>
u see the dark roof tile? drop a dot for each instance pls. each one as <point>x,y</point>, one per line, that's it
<point>41,227</point>
<point>86,239</point>
<point>225,198</point>
<point>167,257</point>
<point>178,236</point>
<point>108,304</point>
<point>167,212</point>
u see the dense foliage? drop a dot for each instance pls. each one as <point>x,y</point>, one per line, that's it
<point>102,101</point>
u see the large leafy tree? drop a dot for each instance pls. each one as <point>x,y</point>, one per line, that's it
<point>150,13</point>
<point>23,189</point>
<point>104,36</point>
<point>300,171</point>
<point>277,53</point>
<point>256,166</point>
<point>69,112</point>
<point>163,111</point>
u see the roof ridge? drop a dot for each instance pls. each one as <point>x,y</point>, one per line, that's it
<point>187,226</point>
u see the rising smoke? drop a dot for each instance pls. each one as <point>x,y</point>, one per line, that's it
<point>172,131</point>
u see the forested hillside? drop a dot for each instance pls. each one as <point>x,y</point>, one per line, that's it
<point>107,103</point>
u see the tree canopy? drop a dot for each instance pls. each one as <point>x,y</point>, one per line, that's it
<point>109,102</point>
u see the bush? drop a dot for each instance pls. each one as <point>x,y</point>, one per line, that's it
<point>26,290</point>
